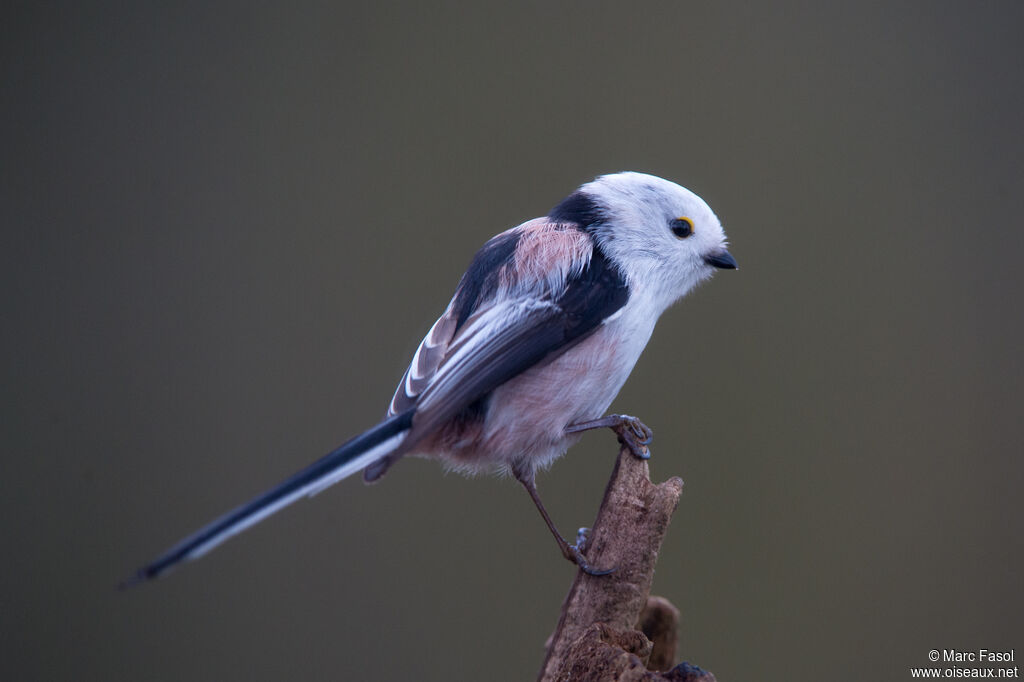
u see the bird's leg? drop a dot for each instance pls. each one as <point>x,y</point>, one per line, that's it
<point>570,552</point>
<point>632,432</point>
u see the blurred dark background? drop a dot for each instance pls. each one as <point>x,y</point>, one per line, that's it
<point>225,230</point>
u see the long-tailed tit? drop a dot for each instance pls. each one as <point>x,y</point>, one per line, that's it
<point>544,328</point>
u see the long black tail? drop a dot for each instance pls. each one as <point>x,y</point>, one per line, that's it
<point>349,458</point>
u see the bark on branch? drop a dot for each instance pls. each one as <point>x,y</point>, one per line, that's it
<point>598,635</point>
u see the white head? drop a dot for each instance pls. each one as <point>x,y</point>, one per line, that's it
<point>663,237</point>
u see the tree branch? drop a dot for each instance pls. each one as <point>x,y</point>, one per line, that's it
<point>597,635</point>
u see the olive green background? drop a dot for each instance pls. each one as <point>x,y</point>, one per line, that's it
<point>225,230</point>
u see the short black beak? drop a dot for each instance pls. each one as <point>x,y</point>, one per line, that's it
<point>721,259</point>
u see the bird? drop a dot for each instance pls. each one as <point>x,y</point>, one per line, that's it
<point>542,332</point>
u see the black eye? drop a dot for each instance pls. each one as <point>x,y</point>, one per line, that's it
<point>681,227</point>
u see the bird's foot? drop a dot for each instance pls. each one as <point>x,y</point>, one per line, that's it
<point>632,432</point>
<point>582,537</point>
<point>574,554</point>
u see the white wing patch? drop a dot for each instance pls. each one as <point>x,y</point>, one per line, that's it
<point>547,254</point>
<point>481,334</point>
<point>428,358</point>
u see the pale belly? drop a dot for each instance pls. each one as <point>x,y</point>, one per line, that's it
<point>527,417</point>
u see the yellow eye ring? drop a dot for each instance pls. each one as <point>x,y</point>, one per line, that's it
<point>682,227</point>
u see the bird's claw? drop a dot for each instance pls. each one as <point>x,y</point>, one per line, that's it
<point>582,536</point>
<point>581,561</point>
<point>634,434</point>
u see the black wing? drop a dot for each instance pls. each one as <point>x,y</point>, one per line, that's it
<point>512,335</point>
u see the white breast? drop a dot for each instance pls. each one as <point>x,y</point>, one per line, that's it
<point>527,416</point>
